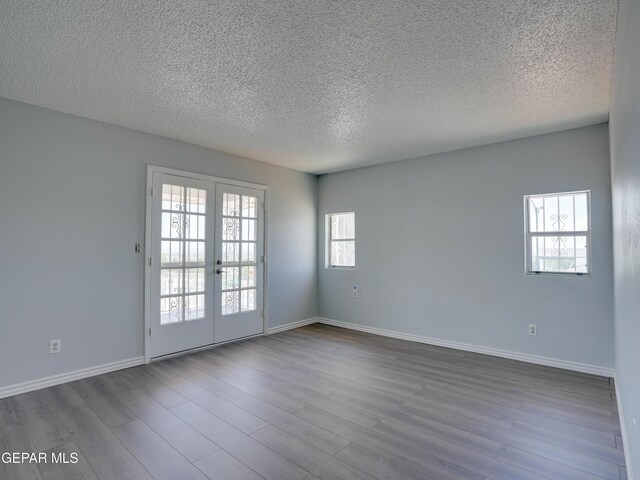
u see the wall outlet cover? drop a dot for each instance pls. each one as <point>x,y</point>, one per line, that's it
<point>55,345</point>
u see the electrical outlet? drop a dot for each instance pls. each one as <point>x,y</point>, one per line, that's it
<point>55,346</point>
<point>355,291</point>
<point>533,329</point>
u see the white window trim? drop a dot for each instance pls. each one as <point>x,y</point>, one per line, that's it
<point>328,240</point>
<point>571,233</point>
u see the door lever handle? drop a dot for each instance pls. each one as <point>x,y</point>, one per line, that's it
<point>218,271</point>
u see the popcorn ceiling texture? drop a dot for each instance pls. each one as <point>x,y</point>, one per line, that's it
<point>320,85</point>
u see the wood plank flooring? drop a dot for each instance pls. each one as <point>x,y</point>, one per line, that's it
<point>321,403</point>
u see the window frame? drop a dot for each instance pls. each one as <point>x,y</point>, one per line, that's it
<point>329,241</point>
<point>528,236</point>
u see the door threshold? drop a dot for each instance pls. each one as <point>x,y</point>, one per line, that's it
<point>202,348</point>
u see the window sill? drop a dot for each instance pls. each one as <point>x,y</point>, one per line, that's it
<point>558,274</point>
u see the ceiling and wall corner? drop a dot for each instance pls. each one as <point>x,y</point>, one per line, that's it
<point>316,86</point>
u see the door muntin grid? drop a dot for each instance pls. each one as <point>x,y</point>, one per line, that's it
<point>182,254</point>
<point>239,270</point>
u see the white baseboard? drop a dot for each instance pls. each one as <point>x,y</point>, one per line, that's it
<point>625,437</point>
<point>45,382</point>
<point>289,326</point>
<point>496,352</point>
<point>25,387</point>
<point>16,389</point>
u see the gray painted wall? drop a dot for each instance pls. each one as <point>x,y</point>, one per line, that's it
<point>625,179</point>
<point>72,205</point>
<point>458,272</point>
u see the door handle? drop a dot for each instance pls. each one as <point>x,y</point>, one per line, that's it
<point>218,271</point>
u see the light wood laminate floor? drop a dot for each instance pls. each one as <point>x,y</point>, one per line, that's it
<point>321,402</point>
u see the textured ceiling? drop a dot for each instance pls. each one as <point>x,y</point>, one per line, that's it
<point>316,85</point>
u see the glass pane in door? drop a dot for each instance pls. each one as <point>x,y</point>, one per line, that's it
<point>239,244</point>
<point>182,254</point>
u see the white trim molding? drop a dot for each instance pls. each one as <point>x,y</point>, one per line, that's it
<point>623,432</point>
<point>45,382</point>
<point>289,326</point>
<point>496,352</point>
<point>203,176</point>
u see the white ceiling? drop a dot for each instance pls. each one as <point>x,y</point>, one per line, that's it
<point>316,85</point>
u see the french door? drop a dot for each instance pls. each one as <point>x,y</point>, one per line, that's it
<point>206,270</point>
<point>239,260</point>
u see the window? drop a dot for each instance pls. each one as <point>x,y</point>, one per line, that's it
<point>558,233</point>
<point>341,240</point>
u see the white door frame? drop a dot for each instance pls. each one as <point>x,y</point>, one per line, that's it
<point>151,169</point>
